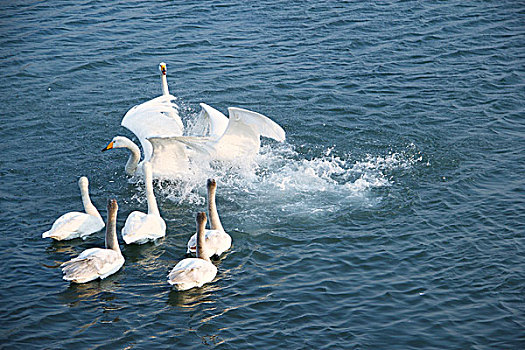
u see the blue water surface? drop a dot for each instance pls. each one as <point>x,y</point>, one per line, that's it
<point>393,216</point>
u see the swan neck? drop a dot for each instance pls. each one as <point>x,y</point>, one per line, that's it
<point>134,158</point>
<point>200,250</point>
<point>164,82</point>
<point>86,201</point>
<point>111,232</point>
<point>215,221</point>
<point>150,195</point>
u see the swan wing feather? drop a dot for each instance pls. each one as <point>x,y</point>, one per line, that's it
<point>217,242</point>
<point>192,272</point>
<point>92,264</point>
<point>74,224</point>
<point>240,119</point>
<point>169,156</point>
<point>141,227</point>
<point>157,117</point>
<point>209,122</point>
<point>242,137</point>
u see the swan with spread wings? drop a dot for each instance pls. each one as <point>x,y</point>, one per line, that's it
<point>159,128</point>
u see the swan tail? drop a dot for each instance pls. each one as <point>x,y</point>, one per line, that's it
<point>79,270</point>
<point>181,276</point>
<point>59,236</point>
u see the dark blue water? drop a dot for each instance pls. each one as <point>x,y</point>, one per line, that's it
<point>392,218</point>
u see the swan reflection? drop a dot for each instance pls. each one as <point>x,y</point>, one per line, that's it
<point>192,298</point>
<point>100,290</point>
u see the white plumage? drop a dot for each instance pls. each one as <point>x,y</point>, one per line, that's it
<point>91,264</point>
<point>159,128</point>
<point>217,241</point>
<point>239,138</point>
<point>96,263</point>
<point>194,272</point>
<point>141,227</point>
<point>77,224</point>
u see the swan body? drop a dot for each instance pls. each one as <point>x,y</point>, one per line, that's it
<point>96,263</point>
<point>194,272</point>
<point>77,224</point>
<point>239,138</point>
<point>217,241</point>
<point>141,227</point>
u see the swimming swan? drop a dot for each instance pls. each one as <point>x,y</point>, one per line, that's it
<point>194,272</point>
<point>76,224</point>
<point>140,227</point>
<point>239,138</point>
<point>217,240</point>
<point>96,263</point>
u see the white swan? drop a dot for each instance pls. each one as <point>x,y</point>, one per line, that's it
<point>157,117</point>
<point>168,159</point>
<point>96,263</point>
<point>140,227</point>
<point>76,224</point>
<point>239,138</point>
<point>217,240</point>
<point>159,128</point>
<point>194,272</point>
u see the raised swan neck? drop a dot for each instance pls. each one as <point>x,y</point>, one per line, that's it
<point>200,251</point>
<point>111,227</point>
<point>86,200</point>
<point>153,209</point>
<point>215,221</point>
<point>164,82</point>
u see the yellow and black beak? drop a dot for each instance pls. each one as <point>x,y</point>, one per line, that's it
<point>163,69</point>
<point>109,146</point>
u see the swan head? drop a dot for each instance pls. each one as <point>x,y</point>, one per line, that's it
<point>117,142</point>
<point>212,184</point>
<point>83,182</point>
<point>162,68</point>
<point>112,205</point>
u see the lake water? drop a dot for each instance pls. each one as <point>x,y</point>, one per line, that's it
<point>393,216</point>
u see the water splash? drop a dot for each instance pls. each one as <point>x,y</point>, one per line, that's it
<point>281,178</point>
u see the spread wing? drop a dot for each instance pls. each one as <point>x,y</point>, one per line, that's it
<point>242,137</point>
<point>192,145</point>
<point>157,117</point>
<point>210,122</point>
<point>169,156</point>
<point>243,119</point>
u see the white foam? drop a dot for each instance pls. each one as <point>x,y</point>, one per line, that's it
<point>282,179</point>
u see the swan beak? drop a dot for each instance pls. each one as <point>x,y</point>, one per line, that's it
<point>163,69</point>
<point>109,146</point>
